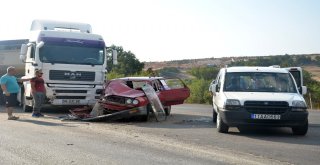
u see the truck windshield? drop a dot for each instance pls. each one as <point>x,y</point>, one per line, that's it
<point>71,54</point>
<point>259,82</point>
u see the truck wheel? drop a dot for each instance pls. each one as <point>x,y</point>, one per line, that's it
<point>167,110</point>
<point>214,116</point>
<point>25,107</point>
<point>300,130</point>
<point>221,126</point>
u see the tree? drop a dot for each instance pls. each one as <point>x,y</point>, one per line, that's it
<point>128,64</point>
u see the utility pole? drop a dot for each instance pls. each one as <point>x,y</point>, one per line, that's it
<point>310,100</point>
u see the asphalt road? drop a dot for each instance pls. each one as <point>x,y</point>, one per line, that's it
<point>188,136</point>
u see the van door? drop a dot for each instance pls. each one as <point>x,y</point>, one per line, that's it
<point>296,72</point>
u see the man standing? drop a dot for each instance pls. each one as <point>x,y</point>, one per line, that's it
<point>10,88</point>
<point>38,91</point>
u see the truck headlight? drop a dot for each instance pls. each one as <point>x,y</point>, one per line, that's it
<point>298,105</point>
<point>232,104</point>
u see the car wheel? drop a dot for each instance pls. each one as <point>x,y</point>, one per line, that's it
<point>300,130</point>
<point>214,116</point>
<point>221,126</point>
<point>167,110</point>
<point>146,117</point>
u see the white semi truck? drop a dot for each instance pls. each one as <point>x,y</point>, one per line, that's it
<point>72,59</point>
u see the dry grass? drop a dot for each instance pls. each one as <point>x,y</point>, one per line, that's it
<point>314,70</point>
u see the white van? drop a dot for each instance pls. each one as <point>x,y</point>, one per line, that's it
<point>266,96</point>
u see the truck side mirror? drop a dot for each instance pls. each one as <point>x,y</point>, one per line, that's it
<point>115,57</point>
<point>304,90</point>
<point>23,52</point>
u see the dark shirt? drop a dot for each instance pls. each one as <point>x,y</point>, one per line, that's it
<point>39,84</point>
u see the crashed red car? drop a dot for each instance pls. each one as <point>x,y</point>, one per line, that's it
<point>125,94</point>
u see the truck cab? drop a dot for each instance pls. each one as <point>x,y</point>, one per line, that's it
<point>72,59</point>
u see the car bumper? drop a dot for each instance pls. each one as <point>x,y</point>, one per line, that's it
<point>243,117</point>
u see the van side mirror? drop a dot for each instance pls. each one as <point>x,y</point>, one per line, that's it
<point>304,90</point>
<point>23,52</point>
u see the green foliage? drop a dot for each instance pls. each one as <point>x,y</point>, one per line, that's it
<point>199,91</point>
<point>128,64</point>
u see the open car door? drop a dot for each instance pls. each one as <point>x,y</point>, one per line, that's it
<point>173,91</point>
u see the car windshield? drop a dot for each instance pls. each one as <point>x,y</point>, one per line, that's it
<point>259,82</point>
<point>72,53</point>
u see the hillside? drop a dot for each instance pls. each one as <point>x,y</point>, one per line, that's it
<point>186,64</point>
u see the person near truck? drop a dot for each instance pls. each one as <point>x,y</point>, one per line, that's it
<point>38,91</point>
<point>10,88</point>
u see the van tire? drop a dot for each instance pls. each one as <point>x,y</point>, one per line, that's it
<point>221,126</point>
<point>300,130</point>
<point>214,116</point>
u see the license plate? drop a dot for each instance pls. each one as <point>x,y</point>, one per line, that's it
<point>265,116</point>
<point>71,101</point>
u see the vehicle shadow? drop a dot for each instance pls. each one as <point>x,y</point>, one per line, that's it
<point>281,134</point>
<point>45,123</point>
<point>174,121</point>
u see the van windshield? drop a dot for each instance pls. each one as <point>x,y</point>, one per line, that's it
<point>259,82</point>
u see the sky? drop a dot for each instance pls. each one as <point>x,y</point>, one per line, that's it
<point>165,30</point>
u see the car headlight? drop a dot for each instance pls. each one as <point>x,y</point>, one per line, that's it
<point>298,105</point>
<point>232,104</point>
<point>135,102</point>
<point>128,101</point>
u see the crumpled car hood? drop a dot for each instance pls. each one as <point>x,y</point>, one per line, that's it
<point>118,88</point>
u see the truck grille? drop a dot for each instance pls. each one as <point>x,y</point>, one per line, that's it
<point>70,97</point>
<point>71,76</point>
<point>71,91</point>
<point>266,107</point>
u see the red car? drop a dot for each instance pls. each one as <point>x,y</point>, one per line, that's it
<point>126,95</point>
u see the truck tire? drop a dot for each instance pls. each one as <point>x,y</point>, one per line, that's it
<point>25,107</point>
<point>221,126</point>
<point>301,130</point>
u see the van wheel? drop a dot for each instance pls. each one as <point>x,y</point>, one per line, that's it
<point>221,126</point>
<point>25,107</point>
<point>300,130</point>
<point>214,116</point>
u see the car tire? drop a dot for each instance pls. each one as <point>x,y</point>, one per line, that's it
<point>214,116</point>
<point>167,110</point>
<point>146,117</point>
<point>221,126</point>
<point>301,130</point>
